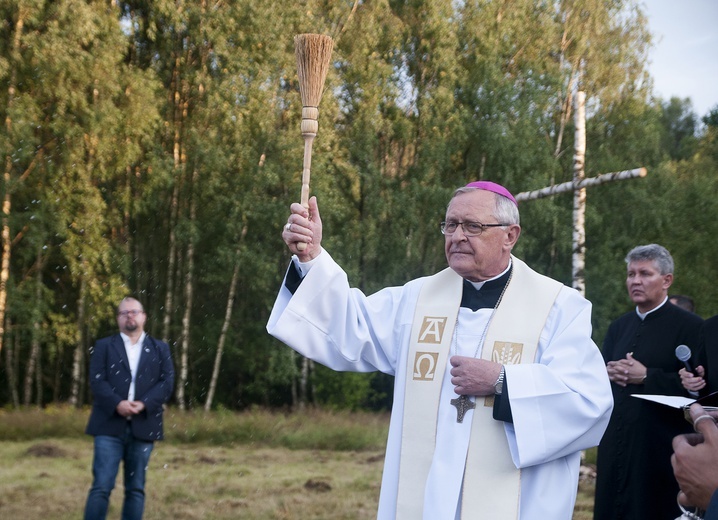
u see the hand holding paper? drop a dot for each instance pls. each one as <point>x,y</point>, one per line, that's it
<point>695,459</point>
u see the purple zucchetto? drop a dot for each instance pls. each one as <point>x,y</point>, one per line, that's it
<point>493,187</point>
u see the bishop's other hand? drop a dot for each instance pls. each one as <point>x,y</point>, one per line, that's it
<point>472,376</point>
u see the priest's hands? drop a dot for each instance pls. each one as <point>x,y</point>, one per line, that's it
<point>628,371</point>
<point>693,381</point>
<point>695,459</point>
<point>304,227</point>
<point>471,376</point>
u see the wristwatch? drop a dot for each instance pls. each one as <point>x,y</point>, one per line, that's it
<point>499,384</point>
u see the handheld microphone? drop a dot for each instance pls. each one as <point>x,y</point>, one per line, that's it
<point>683,353</point>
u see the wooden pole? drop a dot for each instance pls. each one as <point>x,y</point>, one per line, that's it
<point>313,53</point>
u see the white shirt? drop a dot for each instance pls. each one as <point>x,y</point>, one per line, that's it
<point>133,356</point>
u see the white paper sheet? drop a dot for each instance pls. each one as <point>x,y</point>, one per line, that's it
<point>674,401</point>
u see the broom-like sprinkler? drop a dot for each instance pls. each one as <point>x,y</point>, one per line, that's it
<point>313,53</point>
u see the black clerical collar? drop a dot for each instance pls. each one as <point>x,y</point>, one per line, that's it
<point>487,296</point>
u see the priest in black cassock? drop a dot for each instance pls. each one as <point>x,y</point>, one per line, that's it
<point>634,475</point>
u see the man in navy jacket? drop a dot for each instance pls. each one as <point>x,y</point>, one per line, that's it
<point>132,377</point>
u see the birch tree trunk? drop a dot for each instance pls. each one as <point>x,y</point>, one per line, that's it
<point>7,178</point>
<point>565,187</point>
<point>178,161</point>
<point>5,263</point>
<point>223,333</point>
<point>11,371</point>
<point>188,293</point>
<point>38,382</point>
<point>171,258</point>
<point>579,196</point>
<point>295,393</point>
<point>32,361</point>
<point>304,383</point>
<point>564,116</point>
<point>79,346</point>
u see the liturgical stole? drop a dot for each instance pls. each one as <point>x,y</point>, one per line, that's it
<point>491,477</point>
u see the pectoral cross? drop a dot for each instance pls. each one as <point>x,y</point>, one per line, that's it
<point>463,404</point>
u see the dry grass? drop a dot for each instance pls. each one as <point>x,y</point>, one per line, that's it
<point>47,478</point>
<point>584,501</point>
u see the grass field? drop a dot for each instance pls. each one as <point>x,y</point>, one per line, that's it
<point>318,465</point>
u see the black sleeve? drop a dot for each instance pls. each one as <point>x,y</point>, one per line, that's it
<point>712,512</point>
<point>293,278</point>
<point>502,405</point>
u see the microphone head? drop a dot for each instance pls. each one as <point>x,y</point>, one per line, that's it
<point>683,352</point>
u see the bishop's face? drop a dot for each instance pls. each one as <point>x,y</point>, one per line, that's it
<point>480,257</point>
<point>647,287</point>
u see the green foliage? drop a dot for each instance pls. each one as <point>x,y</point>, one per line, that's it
<point>711,118</point>
<point>53,421</point>
<point>312,429</point>
<point>139,131</point>
<point>343,390</point>
<point>680,125</point>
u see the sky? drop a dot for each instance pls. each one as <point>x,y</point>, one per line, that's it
<point>684,59</point>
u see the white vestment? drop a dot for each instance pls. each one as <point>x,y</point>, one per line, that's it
<point>560,405</point>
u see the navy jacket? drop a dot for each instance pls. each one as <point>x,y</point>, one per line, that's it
<point>110,379</point>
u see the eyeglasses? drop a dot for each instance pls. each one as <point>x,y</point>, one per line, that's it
<point>470,229</point>
<point>131,314</point>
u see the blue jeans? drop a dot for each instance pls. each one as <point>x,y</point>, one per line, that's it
<point>109,451</point>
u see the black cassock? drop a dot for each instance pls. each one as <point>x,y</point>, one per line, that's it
<point>708,354</point>
<point>634,474</point>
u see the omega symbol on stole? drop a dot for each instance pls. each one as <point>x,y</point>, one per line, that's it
<point>431,332</point>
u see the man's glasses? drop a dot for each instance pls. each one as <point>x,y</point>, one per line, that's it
<point>470,229</point>
<point>131,314</point>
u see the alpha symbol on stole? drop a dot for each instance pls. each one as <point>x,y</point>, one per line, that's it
<point>432,329</point>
